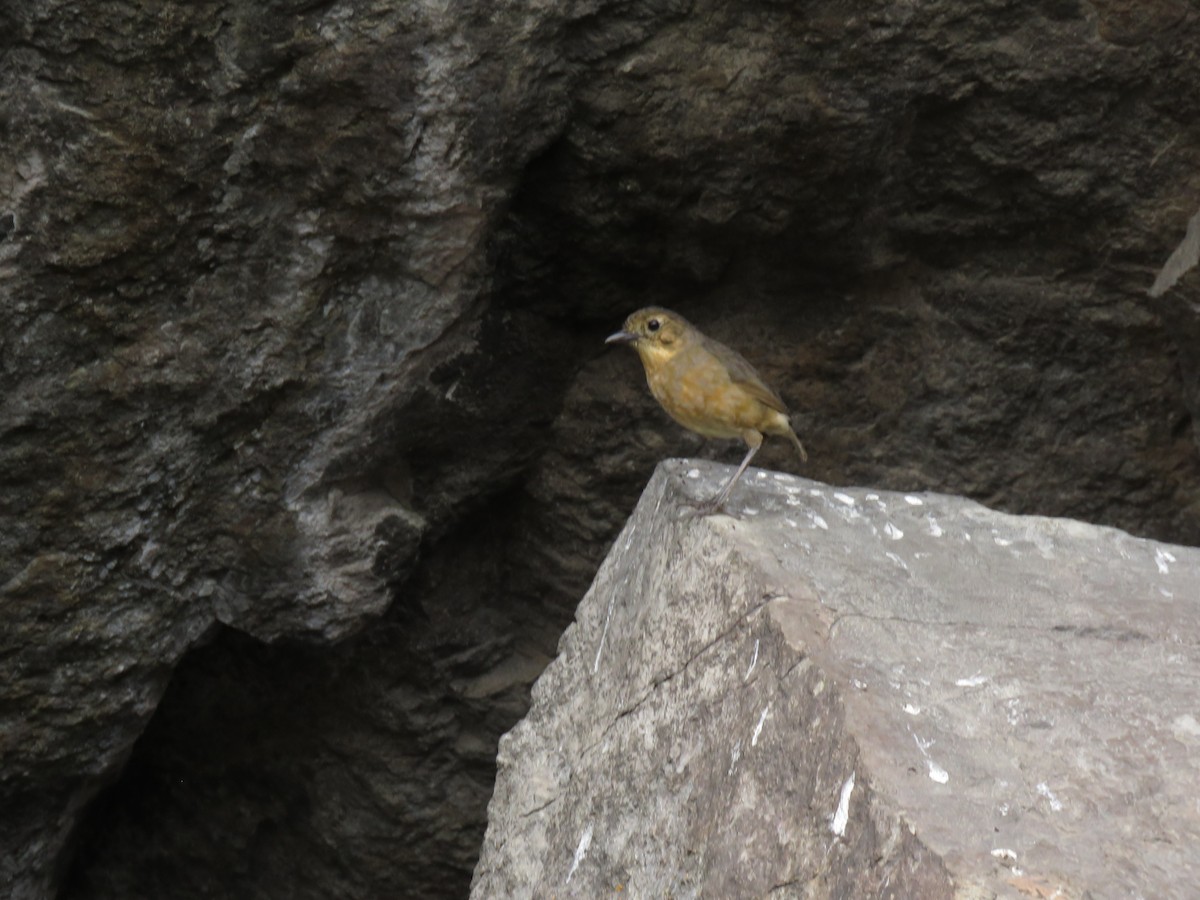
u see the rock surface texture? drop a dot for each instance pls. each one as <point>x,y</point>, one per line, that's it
<point>850,693</point>
<point>309,444</point>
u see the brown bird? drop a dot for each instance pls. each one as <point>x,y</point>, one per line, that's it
<point>705,386</point>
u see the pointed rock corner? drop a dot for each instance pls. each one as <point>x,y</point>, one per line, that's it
<point>844,692</point>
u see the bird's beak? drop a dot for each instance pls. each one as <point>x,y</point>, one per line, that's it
<point>621,337</point>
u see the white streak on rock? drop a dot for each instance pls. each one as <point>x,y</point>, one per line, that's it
<point>585,841</point>
<point>1182,259</point>
<point>604,634</point>
<point>842,815</point>
<point>766,713</point>
<point>753,661</point>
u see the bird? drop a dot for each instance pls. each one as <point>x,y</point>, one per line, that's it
<point>705,386</point>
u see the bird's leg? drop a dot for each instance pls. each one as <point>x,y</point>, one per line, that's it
<point>799,446</point>
<point>754,439</point>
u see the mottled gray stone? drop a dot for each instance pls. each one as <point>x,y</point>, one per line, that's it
<point>840,692</point>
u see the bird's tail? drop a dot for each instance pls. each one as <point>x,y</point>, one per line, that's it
<point>799,446</point>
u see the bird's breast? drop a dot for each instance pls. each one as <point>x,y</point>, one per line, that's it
<point>696,391</point>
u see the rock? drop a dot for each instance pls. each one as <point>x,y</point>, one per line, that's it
<point>848,692</point>
<point>242,252</point>
<point>1180,309</point>
<point>304,396</point>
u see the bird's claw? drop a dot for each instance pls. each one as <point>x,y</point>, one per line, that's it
<point>700,509</point>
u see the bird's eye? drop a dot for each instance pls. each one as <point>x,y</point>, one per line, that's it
<point>653,325</point>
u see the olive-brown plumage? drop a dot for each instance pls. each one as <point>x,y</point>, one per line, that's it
<point>704,385</point>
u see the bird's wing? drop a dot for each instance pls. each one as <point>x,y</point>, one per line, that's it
<point>742,374</point>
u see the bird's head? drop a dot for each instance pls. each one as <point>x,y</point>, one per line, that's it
<point>654,332</point>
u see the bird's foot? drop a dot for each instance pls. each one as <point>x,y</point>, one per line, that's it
<point>700,509</point>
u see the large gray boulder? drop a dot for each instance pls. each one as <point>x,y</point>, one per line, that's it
<point>855,693</point>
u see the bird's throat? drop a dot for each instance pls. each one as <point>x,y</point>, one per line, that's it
<point>654,354</point>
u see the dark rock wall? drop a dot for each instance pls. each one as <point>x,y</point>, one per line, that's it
<point>301,322</point>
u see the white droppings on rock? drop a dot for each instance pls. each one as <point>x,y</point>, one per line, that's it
<point>913,501</point>
<point>912,710</point>
<point>841,816</point>
<point>1161,558</point>
<point>1012,710</point>
<point>974,681</point>
<point>693,473</point>
<point>936,772</point>
<point>1043,790</point>
<point>935,530</point>
<point>845,498</point>
<point>1186,727</point>
<point>892,531</point>
<point>820,522</point>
